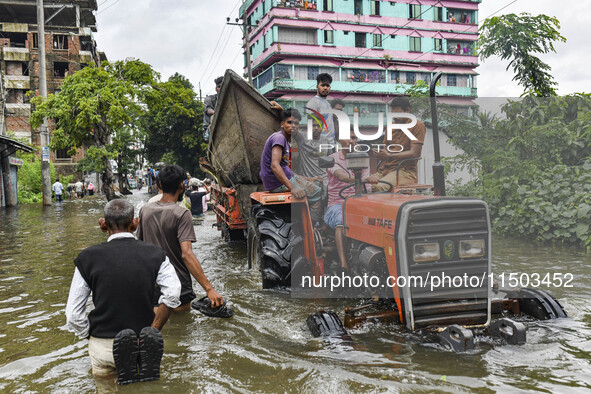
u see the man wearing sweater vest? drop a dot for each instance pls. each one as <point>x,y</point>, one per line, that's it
<point>122,274</point>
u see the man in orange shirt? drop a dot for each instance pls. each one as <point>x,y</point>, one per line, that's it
<point>412,148</point>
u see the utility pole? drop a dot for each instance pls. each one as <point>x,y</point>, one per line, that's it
<point>45,173</point>
<point>247,46</point>
<point>245,37</point>
<point>2,106</point>
<point>200,96</point>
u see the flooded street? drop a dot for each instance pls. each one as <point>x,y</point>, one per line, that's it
<point>266,347</point>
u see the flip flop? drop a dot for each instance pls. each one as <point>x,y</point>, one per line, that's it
<point>203,305</point>
<point>126,353</point>
<point>151,351</point>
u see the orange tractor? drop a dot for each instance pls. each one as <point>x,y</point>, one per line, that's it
<point>423,261</point>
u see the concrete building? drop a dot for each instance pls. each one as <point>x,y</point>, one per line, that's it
<point>372,49</point>
<point>69,46</point>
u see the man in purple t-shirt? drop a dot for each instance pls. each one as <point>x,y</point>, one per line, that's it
<point>275,172</point>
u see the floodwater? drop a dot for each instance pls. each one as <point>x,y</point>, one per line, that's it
<point>266,347</point>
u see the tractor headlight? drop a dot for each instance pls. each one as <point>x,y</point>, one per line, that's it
<point>426,252</point>
<point>472,248</point>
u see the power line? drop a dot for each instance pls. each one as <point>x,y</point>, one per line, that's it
<point>213,54</point>
<point>111,5</point>
<point>221,53</point>
<point>217,43</point>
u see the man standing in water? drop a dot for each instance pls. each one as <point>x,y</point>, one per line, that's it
<point>122,274</point>
<point>169,226</point>
<point>58,190</point>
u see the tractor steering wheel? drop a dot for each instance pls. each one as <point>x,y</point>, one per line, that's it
<point>364,188</point>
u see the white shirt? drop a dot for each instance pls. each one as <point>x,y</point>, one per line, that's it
<point>58,188</point>
<point>76,318</point>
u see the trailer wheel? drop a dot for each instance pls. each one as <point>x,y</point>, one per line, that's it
<point>229,235</point>
<point>271,245</point>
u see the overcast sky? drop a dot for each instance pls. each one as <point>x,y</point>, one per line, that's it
<point>191,37</point>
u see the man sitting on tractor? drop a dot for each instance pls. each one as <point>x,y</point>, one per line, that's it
<point>309,152</point>
<point>275,172</point>
<point>412,148</point>
<point>340,177</point>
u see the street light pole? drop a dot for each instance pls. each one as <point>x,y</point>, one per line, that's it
<point>45,173</point>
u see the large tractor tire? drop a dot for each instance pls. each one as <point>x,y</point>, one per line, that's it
<point>270,242</point>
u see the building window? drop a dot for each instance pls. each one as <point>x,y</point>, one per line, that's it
<point>360,75</point>
<point>303,73</point>
<point>328,37</point>
<point>377,40</point>
<point>283,71</point>
<point>358,7</point>
<point>375,7</point>
<point>452,80</point>
<point>60,41</point>
<point>395,76</point>
<point>265,77</point>
<point>327,6</point>
<point>297,36</point>
<point>60,69</point>
<point>411,78</point>
<point>438,44</point>
<point>415,44</point>
<point>62,154</point>
<point>35,41</point>
<point>414,11</point>
<point>438,14</point>
<point>465,48</point>
<point>313,72</point>
<point>360,40</point>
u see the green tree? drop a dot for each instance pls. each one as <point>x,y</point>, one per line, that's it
<point>172,126</point>
<point>518,38</point>
<point>94,105</point>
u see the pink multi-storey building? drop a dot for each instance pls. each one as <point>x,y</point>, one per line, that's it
<point>373,49</point>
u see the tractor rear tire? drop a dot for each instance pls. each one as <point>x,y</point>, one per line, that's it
<point>271,244</point>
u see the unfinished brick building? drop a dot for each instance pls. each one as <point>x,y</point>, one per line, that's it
<point>69,46</point>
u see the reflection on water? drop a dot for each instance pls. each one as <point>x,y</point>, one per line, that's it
<point>265,346</point>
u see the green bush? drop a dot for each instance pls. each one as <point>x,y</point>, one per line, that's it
<point>553,205</point>
<point>30,186</point>
<point>531,166</point>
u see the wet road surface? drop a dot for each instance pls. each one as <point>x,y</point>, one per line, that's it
<point>266,347</point>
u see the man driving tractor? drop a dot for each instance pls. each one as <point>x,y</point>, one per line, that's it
<point>411,148</point>
<point>340,177</point>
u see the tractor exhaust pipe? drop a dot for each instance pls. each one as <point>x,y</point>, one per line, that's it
<point>438,176</point>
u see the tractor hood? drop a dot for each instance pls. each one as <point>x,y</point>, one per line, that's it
<point>367,218</point>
